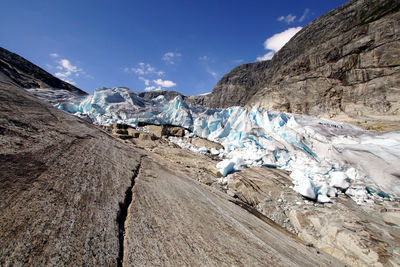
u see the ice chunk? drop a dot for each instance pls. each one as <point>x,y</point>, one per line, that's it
<point>325,192</point>
<point>306,188</point>
<point>323,199</point>
<point>339,180</point>
<point>214,151</point>
<point>203,150</point>
<point>226,166</point>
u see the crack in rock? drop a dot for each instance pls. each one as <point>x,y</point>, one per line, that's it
<point>123,213</point>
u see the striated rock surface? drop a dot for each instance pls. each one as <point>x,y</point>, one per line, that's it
<point>177,221</point>
<point>344,65</point>
<point>61,182</point>
<point>21,72</point>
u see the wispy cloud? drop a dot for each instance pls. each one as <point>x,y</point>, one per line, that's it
<point>305,14</point>
<point>148,75</point>
<point>206,61</point>
<point>204,58</point>
<point>277,41</point>
<point>146,81</point>
<point>66,71</point>
<point>288,19</point>
<point>144,69</point>
<point>237,61</point>
<point>212,73</point>
<point>170,57</point>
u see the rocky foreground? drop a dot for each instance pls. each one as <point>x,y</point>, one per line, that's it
<point>366,235</point>
<point>73,194</point>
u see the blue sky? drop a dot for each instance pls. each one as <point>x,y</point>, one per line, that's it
<point>185,46</point>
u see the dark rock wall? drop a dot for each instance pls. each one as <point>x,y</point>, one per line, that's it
<point>23,73</point>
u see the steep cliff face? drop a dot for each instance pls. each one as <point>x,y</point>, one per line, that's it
<point>238,86</point>
<point>20,72</point>
<point>345,64</point>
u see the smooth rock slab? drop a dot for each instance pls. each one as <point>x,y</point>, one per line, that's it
<point>61,182</point>
<point>176,221</point>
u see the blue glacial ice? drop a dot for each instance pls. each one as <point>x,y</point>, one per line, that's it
<point>322,155</point>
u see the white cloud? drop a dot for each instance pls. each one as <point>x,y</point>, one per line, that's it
<point>205,58</point>
<point>277,41</point>
<point>288,19</point>
<point>146,72</point>
<point>170,57</point>
<point>146,81</point>
<point>144,69</point>
<point>66,70</point>
<point>305,14</point>
<point>164,83</point>
<point>267,56</point>
<point>65,64</point>
<point>213,73</point>
<point>152,88</point>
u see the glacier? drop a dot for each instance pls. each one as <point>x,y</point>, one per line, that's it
<point>323,156</point>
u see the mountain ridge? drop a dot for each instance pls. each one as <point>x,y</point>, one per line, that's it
<point>21,72</point>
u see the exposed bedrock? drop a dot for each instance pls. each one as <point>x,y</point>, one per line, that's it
<point>61,182</point>
<point>345,65</point>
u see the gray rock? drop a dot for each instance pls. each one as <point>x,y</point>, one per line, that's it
<point>62,182</point>
<point>154,94</point>
<point>176,221</point>
<point>343,65</point>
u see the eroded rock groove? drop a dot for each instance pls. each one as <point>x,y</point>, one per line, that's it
<point>123,213</point>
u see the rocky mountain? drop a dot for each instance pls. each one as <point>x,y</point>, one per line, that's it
<point>19,71</point>
<point>343,65</point>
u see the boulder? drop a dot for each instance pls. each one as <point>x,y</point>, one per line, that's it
<point>157,130</point>
<point>175,131</point>
<point>133,132</point>
<point>201,142</point>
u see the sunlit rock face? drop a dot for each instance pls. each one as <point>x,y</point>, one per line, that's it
<point>345,64</point>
